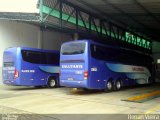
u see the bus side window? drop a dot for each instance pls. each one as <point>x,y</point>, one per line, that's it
<point>100,52</point>
<point>53,58</point>
<point>34,57</point>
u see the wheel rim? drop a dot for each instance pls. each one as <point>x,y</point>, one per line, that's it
<point>118,85</point>
<point>52,83</point>
<point>109,85</point>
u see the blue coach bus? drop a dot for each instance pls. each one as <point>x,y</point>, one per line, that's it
<point>25,66</point>
<point>91,65</point>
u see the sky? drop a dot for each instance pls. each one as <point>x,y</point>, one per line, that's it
<point>25,6</point>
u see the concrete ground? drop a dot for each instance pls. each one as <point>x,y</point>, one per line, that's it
<point>62,101</point>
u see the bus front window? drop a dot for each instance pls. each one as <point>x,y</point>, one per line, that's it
<point>73,48</point>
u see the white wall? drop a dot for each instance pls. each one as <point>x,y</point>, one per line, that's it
<point>16,34</point>
<point>53,40</point>
<point>13,33</point>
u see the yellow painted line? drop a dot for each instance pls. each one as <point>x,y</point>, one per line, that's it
<point>153,109</point>
<point>144,96</point>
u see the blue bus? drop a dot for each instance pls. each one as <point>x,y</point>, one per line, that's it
<point>24,66</point>
<point>91,65</point>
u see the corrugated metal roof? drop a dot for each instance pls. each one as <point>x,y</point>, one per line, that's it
<point>30,17</point>
<point>143,15</point>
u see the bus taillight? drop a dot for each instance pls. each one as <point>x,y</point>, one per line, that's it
<point>16,74</point>
<point>85,75</point>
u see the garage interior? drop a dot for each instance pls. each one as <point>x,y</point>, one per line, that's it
<point>131,24</point>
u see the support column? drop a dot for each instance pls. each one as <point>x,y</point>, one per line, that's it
<point>40,38</point>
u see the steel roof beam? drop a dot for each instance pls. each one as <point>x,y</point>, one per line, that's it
<point>125,14</point>
<point>133,14</point>
<point>146,10</point>
<point>147,29</point>
<point>102,13</point>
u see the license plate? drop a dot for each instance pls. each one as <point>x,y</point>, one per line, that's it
<point>70,78</point>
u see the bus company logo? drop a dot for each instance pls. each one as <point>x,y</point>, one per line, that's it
<point>28,71</point>
<point>137,69</point>
<point>72,66</point>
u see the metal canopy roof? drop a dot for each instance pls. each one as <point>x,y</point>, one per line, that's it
<point>141,15</point>
<point>27,17</point>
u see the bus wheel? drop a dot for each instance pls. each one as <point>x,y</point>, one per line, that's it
<point>109,86</point>
<point>52,83</point>
<point>117,85</point>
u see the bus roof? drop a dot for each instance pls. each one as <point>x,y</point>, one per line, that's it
<point>99,43</point>
<point>34,49</point>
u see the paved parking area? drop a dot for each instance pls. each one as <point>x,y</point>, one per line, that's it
<point>29,100</point>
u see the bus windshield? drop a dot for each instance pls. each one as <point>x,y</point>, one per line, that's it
<point>73,48</point>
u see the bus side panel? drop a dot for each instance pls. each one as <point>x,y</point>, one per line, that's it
<point>36,70</point>
<point>37,74</point>
<point>134,74</point>
<point>31,75</point>
<point>96,77</point>
<point>100,74</point>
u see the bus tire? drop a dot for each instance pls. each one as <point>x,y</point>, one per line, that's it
<point>52,82</point>
<point>118,85</point>
<point>108,86</point>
